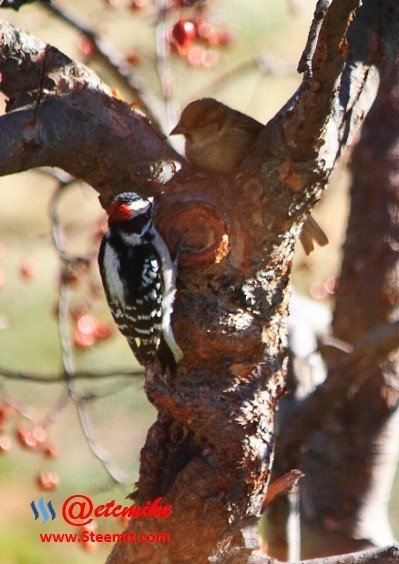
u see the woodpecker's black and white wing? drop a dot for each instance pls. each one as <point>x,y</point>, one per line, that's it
<point>133,282</point>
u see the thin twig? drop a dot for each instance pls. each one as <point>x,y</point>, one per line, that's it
<point>60,377</point>
<point>97,450</point>
<point>57,408</point>
<point>162,53</point>
<point>305,62</point>
<point>106,391</point>
<point>110,57</point>
<point>57,231</point>
<point>266,65</point>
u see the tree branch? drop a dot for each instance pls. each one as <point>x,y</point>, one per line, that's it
<point>111,59</point>
<point>17,4</point>
<point>80,126</point>
<point>60,378</point>
<point>310,414</point>
<point>342,62</point>
<point>385,555</point>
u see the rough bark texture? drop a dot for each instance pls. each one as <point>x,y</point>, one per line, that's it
<point>350,464</point>
<point>210,451</point>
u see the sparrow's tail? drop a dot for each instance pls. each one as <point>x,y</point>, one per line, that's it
<point>312,233</point>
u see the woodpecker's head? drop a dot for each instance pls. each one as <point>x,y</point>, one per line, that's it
<point>131,212</point>
<point>205,116</point>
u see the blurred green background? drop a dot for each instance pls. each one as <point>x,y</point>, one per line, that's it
<point>28,329</point>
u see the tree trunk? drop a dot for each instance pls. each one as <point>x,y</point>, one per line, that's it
<point>350,463</point>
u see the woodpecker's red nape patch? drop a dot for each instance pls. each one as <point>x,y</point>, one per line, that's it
<point>119,212</point>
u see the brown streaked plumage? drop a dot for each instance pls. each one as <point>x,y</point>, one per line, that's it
<point>217,138</point>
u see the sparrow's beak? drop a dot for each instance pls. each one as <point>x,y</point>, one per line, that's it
<point>178,130</point>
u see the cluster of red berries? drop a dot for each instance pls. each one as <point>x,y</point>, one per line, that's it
<point>88,331</point>
<point>324,289</point>
<point>193,39</point>
<point>33,438</point>
<point>196,41</point>
<point>83,276</point>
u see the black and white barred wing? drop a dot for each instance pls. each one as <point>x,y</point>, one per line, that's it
<point>132,279</point>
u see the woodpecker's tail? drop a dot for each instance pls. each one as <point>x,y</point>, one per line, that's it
<point>146,355</point>
<point>166,358</point>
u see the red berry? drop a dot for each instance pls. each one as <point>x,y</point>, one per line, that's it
<point>86,46</point>
<point>123,521</point>
<point>102,332</point>
<point>89,527</point>
<point>83,340</point>
<point>331,285</point>
<point>47,481</point>
<point>49,451</point>
<point>5,444</point>
<point>184,33</point>
<point>318,291</point>
<point>26,438</point>
<point>3,416</point>
<point>86,324</point>
<point>209,58</point>
<point>136,5</point>
<point>133,58</point>
<point>40,434</point>
<point>224,37</point>
<point>89,546</point>
<point>27,269</point>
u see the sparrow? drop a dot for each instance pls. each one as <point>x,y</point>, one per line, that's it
<point>217,138</point>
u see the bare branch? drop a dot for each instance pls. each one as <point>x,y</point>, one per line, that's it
<point>162,52</point>
<point>299,147</point>
<point>67,358</point>
<point>266,65</point>
<point>344,379</point>
<point>60,378</point>
<point>386,555</point>
<point>80,127</point>
<point>17,4</point>
<point>111,59</point>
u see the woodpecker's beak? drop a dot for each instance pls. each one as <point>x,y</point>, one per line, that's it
<point>178,130</point>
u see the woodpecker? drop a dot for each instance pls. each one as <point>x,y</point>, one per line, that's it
<point>139,278</point>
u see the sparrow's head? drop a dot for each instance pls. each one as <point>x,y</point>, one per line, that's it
<point>205,113</point>
<point>131,212</point>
